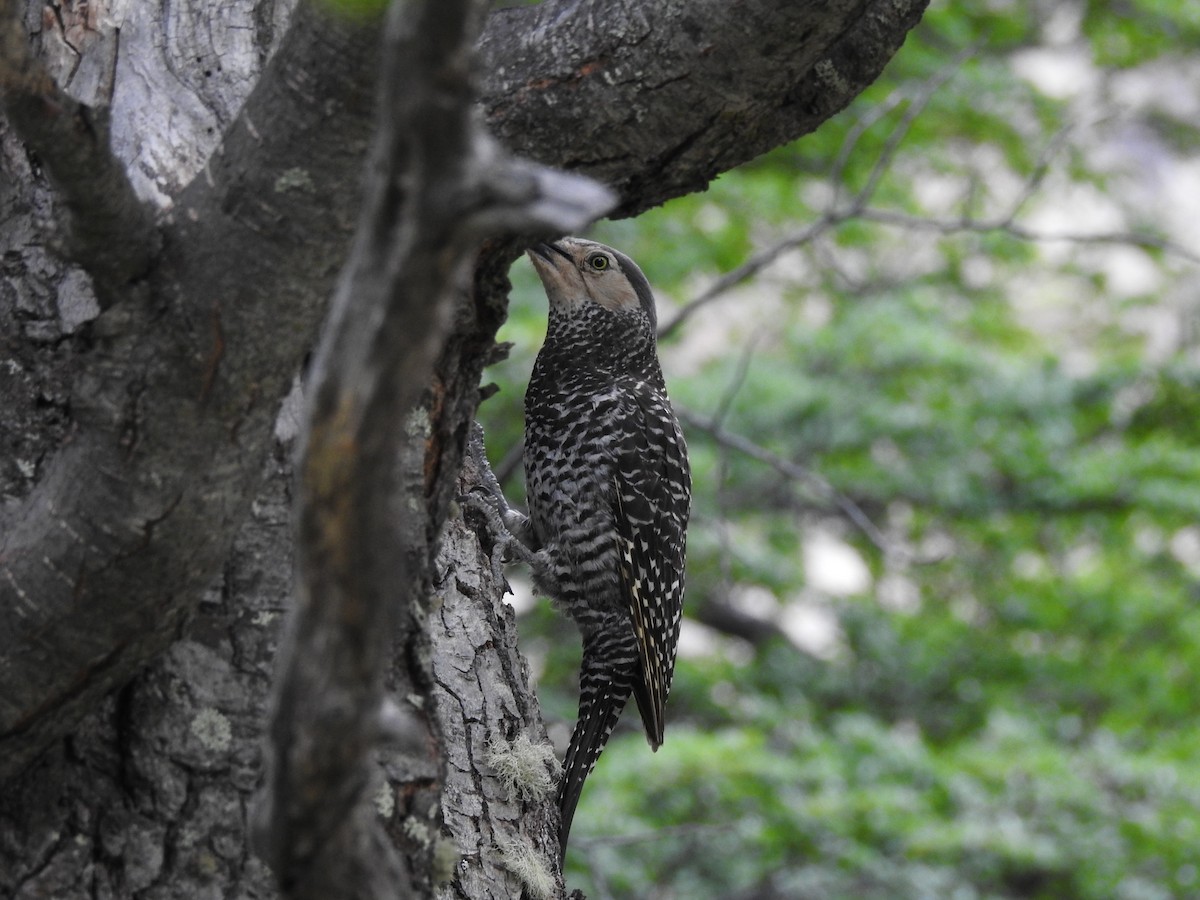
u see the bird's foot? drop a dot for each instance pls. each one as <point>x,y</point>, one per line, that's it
<point>489,525</point>
<point>477,456</point>
<point>502,525</point>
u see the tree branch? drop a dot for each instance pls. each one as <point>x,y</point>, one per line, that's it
<point>490,724</point>
<point>839,210</point>
<point>109,231</point>
<point>1005,225</point>
<point>176,398</point>
<point>857,206</point>
<point>796,472</point>
<point>663,96</point>
<point>436,186</point>
<point>723,616</point>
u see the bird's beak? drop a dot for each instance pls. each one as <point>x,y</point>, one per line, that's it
<point>549,253</point>
<point>556,269</point>
<point>541,251</point>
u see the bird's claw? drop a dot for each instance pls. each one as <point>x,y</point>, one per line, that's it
<point>491,527</point>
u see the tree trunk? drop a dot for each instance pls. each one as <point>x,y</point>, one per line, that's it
<point>142,383</point>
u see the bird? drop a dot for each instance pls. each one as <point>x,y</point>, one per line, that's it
<point>608,487</point>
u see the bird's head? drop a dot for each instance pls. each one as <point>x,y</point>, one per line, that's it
<point>577,273</point>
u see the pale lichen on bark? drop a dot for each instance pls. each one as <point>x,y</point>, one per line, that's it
<point>484,698</point>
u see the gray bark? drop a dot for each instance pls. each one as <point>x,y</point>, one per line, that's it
<point>132,443</point>
<point>437,185</point>
<point>174,396</point>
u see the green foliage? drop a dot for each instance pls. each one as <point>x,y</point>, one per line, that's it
<point>855,808</point>
<point>1128,33</point>
<point>1009,707</point>
<point>357,9</point>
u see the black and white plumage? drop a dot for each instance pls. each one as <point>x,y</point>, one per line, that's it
<point>609,492</point>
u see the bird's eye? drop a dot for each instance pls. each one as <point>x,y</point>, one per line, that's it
<point>598,261</point>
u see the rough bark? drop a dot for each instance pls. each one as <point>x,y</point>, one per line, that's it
<point>72,144</point>
<point>656,99</point>
<point>123,528</point>
<point>176,391</point>
<point>437,184</point>
<point>151,794</point>
<point>131,444</point>
<point>148,796</point>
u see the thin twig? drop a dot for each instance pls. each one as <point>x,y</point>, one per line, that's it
<point>855,134</point>
<point>509,464</point>
<point>796,472</point>
<point>725,403</point>
<point>1040,169</point>
<point>837,212</point>
<point>920,101</point>
<point>1004,226</point>
<point>745,272</point>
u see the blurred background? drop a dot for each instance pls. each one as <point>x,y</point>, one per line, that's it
<point>938,366</point>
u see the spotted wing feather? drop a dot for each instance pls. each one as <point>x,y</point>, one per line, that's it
<point>652,501</point>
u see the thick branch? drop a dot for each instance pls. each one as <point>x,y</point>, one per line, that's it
<point>436,186</point>
<point>656,98</point>
<point>723,616</point>
<point>178,393</point>
<point>109,231</point>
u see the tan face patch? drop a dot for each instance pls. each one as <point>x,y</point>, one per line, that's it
<point>606,284</point>
<point>575,271</point>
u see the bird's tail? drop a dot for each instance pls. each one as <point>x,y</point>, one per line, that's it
<point>601,700</point>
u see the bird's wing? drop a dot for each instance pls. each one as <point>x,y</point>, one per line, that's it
<point>651,506</point>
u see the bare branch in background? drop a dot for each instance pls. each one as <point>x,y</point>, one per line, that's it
<point>508,466</point>
<point>729,395</point>
<point>723,616</point>
<point>858,206</point>
<point>747,270</point>
<point>917,105</point>
<point>725,540</point>
<point>796,472</point>
<point>837,212</point>
<point>1005,225</point>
